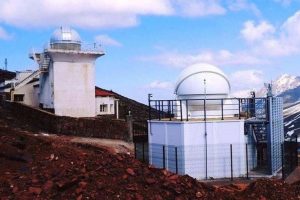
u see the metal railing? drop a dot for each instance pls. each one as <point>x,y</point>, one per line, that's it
<point>84,47</point>
<point>187,109</point>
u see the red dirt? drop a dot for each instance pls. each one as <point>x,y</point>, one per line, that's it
<point>34,167</point>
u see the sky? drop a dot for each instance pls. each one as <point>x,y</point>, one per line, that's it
<point>147,43</point>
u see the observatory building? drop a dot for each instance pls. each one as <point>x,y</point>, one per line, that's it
<point>205,132</point>
<point>67,75</point>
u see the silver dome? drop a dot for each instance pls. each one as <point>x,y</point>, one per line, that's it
<point>65,35</point>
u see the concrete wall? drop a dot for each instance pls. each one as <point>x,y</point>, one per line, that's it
<point>46,95</point>
<point>85,127</point>
<point>189,138</point>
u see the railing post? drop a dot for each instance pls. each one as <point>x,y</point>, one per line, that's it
<point>187,108</point>
<point>169,110</point>
<point>159,117</point>
<point>176,160</point>
<point>239,108</point>
<point>164,157</point>
<point>180,110</point>
<point>231,164</point>
<point>162,109</point>
<point>247,168</point>
<point>222,108</point>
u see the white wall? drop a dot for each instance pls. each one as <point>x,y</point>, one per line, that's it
<point>30,94</point>
<point>109,101</point>
<point>70,85</point>
<point>189,138</point>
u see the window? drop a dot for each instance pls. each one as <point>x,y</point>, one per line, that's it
<point>103,108</point>
<point>19,97</point>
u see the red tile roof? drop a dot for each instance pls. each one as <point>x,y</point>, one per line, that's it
<point>103,93</point>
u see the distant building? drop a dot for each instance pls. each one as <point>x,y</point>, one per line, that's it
<point>106,103</point>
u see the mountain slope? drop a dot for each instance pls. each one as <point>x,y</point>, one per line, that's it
<point>292,120</point>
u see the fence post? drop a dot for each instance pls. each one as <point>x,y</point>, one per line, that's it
<point>164,157</point>
<point>135,150</point>
<point>143,152</point>
<point>247,161</point>
<point>159,117</point>
<point>231,164</point>
<point>239,108</point>
<point>282,160</point>
<point>176,160</point>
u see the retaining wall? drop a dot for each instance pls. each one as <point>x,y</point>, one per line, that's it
<point>86,127</point>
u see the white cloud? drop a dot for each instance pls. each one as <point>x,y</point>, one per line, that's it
<point>106,40</point>
<point>196,8</point>
<point>100,13</point>
<point>80,13</point>
<point>284,2</point>
<point>252,32</point>
<point>160,85</point>
<point>4,35</point>
<point>238,5</point>
<point>247,79</point>
<point>267,41</point>
<point>221,58</point>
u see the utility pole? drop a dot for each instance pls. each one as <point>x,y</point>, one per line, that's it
<point>5,64</point>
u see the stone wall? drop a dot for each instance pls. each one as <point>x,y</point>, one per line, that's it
<point>86,127</point>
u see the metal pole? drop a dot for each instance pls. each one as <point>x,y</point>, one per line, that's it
<point>143,152</point>
<point>187,110</point>
<point>222,109</point>
<point>205,130</point>
<point>169,110</point>
<point>247,161</point>
<point>135,150</point>
<point>159,110</point>
<point>239,108</point>
<point>164,164</point>
<point>176,160</point>
<point>231,164</point>
<point>180,110</point>
<point>149,102</point>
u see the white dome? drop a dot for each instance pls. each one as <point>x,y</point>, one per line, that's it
<point>65,35</point>
<point>190,84</point>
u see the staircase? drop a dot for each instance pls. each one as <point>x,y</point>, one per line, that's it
<point>44,66</point>
<point>27,79</point>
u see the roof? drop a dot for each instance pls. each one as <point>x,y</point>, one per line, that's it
<point>99,92</point>
<point>6,75</point>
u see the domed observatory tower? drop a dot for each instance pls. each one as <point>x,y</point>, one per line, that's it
<point>203,90</point>
<point>205,133</point>
<point>67,80</point>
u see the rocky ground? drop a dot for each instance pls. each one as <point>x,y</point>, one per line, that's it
<point>33,166</point>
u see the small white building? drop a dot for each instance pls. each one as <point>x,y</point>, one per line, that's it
<point>106,103</point>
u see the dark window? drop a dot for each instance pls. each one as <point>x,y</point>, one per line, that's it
<point>19,97</point>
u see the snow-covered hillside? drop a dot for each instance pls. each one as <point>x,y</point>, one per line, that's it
<point>292,120</point>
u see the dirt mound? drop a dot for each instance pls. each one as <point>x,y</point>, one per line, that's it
<point>35,167</point>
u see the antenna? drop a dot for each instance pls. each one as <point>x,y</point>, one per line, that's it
<point>5,63</point>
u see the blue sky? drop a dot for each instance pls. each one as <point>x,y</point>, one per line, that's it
<point>148,42</point>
